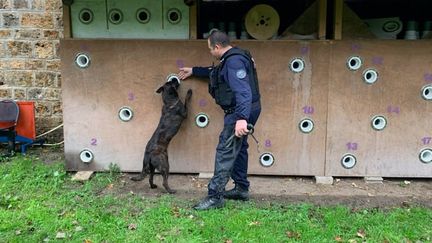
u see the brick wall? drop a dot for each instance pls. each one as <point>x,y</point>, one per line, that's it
<point>30,31</point>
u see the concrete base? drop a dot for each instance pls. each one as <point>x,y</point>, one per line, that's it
<point>373,179</point>
<point>205,175</point>
<point>326,180</point>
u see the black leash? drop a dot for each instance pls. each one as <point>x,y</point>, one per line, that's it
<point>233,139</point>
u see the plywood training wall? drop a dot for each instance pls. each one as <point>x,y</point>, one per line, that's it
<point>393,148</point>
<point>316,117</point>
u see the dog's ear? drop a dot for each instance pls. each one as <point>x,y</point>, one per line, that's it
<point>160,89</point>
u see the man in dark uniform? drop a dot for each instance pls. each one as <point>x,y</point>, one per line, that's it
<point>234,86</point>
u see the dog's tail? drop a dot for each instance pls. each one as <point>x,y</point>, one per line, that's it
<point>145,170</point>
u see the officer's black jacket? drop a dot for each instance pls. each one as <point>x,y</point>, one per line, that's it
<point>235,72</point>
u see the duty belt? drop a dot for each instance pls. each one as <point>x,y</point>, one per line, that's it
<point>232,110</point>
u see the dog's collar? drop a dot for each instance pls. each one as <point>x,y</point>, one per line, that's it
<point>174,104</point>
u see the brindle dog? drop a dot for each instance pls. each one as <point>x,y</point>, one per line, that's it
<point>156,152</point>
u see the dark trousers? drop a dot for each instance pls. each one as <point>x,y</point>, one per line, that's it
<point>231,161</point>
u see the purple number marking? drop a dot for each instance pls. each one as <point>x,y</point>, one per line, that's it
<point>202,102</point>
<point>352,146</point>
<point>180,63</point>
<point>267,143</point>
<point>355,47</point>
<point>426,140</point>
<point>131,96</point>
<point>304,50</point>
<point>308,110</point>
<point>428,77</point>
<point>93,141</point>
<point>393,109</point>
<point>377,60</point>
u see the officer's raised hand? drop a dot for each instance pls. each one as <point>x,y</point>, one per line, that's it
<point>185,72</point>
<point>241,128</point>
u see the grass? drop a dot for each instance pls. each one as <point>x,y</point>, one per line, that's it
<point>39,203</point>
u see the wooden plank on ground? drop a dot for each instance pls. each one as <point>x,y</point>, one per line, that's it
<point>82,175</point>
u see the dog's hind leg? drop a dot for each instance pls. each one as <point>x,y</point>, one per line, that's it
<point>145,169</point>
<point>152,171</point>
<point>165,173</point>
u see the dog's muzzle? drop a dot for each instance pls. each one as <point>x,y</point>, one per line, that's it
<point>173,78</point>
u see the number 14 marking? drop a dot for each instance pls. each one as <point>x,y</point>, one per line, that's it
<point>426,140</point>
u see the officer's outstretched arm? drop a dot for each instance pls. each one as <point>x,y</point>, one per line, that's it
<point>185,72</point>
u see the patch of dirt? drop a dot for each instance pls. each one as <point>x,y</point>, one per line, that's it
<point>47,154</point>
<point>352,192</point>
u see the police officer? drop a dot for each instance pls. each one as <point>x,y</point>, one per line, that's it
<point>234,86</point>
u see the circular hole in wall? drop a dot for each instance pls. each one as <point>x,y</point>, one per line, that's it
<point>297,65</point>
<point>427,92</point>
<point>306,125</point>
<point>82,60</point>
<point>354,63</point>
<point>86,156</point>
<point>266,159</point>
<point>348,161</point>
<point>174,16</point>
<point>370,76</point>
<point>202,120</point>
<point>426,156</point>
<point>115,16</point>
<point>86,16</point>
<point>125,114</point>
<point>379,123</point>
<point>143,15</point>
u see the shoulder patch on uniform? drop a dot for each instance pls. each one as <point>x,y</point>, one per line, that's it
<point>241,73</point>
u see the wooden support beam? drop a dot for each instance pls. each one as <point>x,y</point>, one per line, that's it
<point>193,33</point>
<point>67,24</point>
<point>322,19</point>
<point>338,13</point>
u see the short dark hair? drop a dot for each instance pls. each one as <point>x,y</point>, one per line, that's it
<point>218,37</point>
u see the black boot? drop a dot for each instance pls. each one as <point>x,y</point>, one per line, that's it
<point>209,203</point>
<point>237,193</point>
